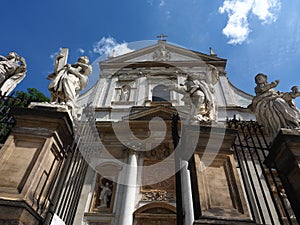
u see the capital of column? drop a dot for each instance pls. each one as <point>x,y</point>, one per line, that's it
<point>129,152</point>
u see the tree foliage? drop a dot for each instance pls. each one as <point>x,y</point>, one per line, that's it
<point>18,99</point>
<point>32,95</point>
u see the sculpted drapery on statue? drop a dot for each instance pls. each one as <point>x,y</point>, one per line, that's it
<point>199,95</point>
<point>67,80</point>
<point>12,72</point>
<point>272,109</point>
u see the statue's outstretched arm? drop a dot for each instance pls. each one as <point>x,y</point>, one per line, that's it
<point>263,88</point>
<point>74,71</point>
<point>295,93</point>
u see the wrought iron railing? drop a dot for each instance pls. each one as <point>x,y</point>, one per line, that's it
<point>85,145</point>
<point>265,194</point>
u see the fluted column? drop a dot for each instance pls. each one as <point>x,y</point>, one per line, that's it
<point>128,203</point>
<point>187,194</point>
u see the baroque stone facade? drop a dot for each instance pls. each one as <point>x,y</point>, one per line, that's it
<point>127,160</point>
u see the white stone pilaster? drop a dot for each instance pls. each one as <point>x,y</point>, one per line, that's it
<point>128,203</point>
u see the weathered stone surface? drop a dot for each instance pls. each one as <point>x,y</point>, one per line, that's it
<point>285,157</point>
<point>17,213</point>
<point>274,110</point>
<point>207,220</point>
<point>30,164</point>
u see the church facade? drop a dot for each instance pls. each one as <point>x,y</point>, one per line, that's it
<point>134,103</point>
<point>162,138</point>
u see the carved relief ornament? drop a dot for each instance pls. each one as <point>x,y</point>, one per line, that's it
<point>161,54</point>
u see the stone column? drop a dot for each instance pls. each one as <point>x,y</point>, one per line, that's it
<point>187,194</point>
<point>128,202</point>
<point>30,164</point>
<point>285,157</point>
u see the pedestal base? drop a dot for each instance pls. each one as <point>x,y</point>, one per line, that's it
<point>17,213</point>
<point>31,162</point>
<point>285,157</point>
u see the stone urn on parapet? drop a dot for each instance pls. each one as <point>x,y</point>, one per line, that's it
<point>68,80</point>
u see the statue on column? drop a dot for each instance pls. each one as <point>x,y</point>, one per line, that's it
<point>12,72</point>
<point>67,80</point>
<point>274,110</point>
<point>196,96</point>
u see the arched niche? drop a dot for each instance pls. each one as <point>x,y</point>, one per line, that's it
<point>105,187</point>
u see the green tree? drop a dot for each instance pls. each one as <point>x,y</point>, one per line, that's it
<point>32,95</point>
<point>18,99</point>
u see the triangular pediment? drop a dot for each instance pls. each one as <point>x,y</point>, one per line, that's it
<point>146,114</point>
<point>162,52</point>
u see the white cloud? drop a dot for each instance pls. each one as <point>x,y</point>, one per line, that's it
<point>162,3</point>
<point>53,55</point>
<point>168,14</point>
<point>237,28</point>
<point>109,47</point>
<point>150,2</point>
<point>81,50</point>
<point>266,10</point>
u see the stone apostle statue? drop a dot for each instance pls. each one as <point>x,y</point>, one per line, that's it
<point>195,94</point>
<point>67,80</point>
<point>274,110</point>
<point>12,72</point>
<point>104,195</point>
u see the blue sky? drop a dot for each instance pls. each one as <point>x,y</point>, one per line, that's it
<point>254,35</point>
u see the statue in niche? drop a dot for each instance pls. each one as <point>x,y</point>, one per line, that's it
<point>272,109</point>
<point>12,72</point>
<point>105,194</point>
<point>197,94</point>
<point>67,80</point>
<point>125,93</point>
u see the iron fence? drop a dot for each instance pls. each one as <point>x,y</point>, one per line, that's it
<point>266,197</point>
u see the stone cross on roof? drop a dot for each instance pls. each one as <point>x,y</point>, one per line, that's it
<point>162,37</point>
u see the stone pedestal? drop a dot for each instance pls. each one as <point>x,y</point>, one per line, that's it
<point>285,157</point>
<point>30,164</point>
<point>217,193</point>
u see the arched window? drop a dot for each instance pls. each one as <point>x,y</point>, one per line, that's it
<point>160,94</point>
